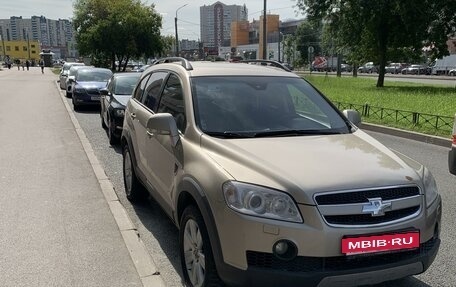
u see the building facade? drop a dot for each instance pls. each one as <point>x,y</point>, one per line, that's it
<point>52,34</point>
<point>215,22</point>
<point>20,50</point>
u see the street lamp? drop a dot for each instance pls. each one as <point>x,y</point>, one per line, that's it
<point>175,24</point>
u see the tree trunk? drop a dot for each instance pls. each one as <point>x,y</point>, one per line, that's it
<point>125,64</point>
<point>113,62</point>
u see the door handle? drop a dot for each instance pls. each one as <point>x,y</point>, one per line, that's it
<point>133,115</point>
<point>150,134</point>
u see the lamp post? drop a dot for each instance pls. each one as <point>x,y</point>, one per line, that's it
<point>280,36</point>
<point>265,41</point>
<point>175,24</point>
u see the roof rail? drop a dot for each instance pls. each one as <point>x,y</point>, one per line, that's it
<point>267,63</point>
<point>184,62</point>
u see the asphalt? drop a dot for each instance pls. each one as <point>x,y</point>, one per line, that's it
<point>61,221</point>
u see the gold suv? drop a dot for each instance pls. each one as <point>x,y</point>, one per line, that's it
<point>269,184</point>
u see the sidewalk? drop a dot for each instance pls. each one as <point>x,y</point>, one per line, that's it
<point>57,227</point>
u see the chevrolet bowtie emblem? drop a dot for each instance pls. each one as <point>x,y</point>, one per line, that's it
<point>376,207</point>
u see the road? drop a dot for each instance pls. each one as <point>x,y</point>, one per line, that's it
<point>161,237</point>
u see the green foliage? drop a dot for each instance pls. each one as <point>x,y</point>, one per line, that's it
<point>420,98</point>
<point>117,30</point>
<point>385,30</point>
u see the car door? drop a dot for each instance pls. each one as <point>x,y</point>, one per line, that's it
<point>143,109</point>
<point>161,160</point>
<point>106,99</point>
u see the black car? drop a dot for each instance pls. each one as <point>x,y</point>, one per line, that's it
<point>87,84</point>
<point>113,101</point>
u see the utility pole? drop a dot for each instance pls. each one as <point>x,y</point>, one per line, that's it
<point>264,32</point>
<point>175,25</point>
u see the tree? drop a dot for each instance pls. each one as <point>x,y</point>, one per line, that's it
<point>383,30</point>
<point>117,30</point>
<point>308,35</point>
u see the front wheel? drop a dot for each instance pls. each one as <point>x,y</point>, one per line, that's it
<point>196,252</point>
<point>133,188</point>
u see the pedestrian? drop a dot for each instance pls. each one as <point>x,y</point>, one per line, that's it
<point>27,64</point>
<point>41,63</point>
<point>18,62</point>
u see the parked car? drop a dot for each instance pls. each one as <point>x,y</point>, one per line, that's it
<point>269,184</point>
<point>87,85</point>
<point>368,67</point>
<point>416,70</point>
<point>452,154</point>
<point>140,68</point>
<point>346,68</point>
<point>452,72</point>
<point>395,68</point>
<point>64,73</point>
<point>114,98</point>
<point>70,79</point>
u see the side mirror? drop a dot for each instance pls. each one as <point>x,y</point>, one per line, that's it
<point>71,79</point>
<point>163,124</point>
<point>104,92</point>
<point>353,116</point>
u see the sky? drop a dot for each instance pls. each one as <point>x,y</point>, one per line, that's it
<point>188,16</point>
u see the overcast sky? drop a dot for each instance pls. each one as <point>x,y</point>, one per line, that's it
<point>188,16</point>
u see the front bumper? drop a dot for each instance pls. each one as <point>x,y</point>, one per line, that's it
<point>85,98</point>
<point>248,259</point>
<point>333,271</point>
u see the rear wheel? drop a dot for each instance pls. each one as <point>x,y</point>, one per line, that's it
<point>196,252</point>
<point>133,188</point>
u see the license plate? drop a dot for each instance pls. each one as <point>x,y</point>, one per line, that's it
<point>380,243</point>
<point>95,98</point>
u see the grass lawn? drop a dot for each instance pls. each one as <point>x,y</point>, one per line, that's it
<point>420,98</point>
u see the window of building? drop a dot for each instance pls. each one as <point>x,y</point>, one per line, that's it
<point>33,52</point>
<point>24,48</point>
<point>16,48</point>
<point>32,46</point>
<point>8,48</point>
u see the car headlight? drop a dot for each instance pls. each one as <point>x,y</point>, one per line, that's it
<point>78,90</point>
<point>119,112</point>
<point>260,201</point>
<point>430,187</point>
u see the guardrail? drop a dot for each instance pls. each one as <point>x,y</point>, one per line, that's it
<point>435,122</point>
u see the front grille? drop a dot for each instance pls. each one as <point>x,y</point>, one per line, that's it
<point>363,195</point>
<point>358,208</point>
<point>95,92</point>
<point>364,219</point>
<point>331,264</point>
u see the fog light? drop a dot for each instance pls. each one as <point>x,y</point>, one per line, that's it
<point>285,250</point>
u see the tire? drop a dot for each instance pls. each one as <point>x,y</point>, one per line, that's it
<point>68,95</point>
<point>133,187</point>
<point>112,137</point>
<point>103,125</point>
<point>76,107</point>
<point>194,246</point>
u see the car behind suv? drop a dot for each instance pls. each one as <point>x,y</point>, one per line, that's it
<point>269,184</point>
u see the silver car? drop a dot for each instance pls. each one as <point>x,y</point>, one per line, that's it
<point>64,73</point>
<point>269,184</point>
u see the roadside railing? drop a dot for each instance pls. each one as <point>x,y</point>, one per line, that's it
<point>434,122</point>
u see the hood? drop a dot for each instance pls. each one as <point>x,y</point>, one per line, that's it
<point>122,99</point>
<point>91,85</point>
<point>305,165</point>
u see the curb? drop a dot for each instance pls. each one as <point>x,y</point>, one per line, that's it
<point>143,262</point>
<point>435,140</point>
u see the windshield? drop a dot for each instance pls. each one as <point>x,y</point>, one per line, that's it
<point>90,75</point>
<point>124,85</point>
<point>262,106</point>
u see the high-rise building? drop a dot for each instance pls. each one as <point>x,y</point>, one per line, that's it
<point>52,34</point>
<point>215,22</point>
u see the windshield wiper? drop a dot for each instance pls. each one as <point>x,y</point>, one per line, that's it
<point>294,133</point>
<point>231,135</point>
